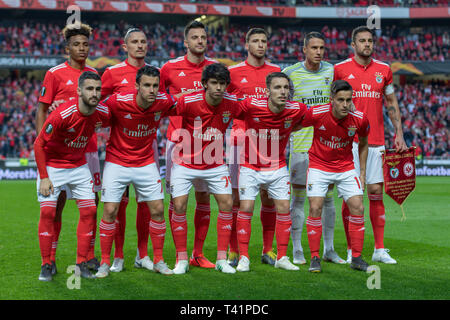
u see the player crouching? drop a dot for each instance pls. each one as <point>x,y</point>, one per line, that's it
<point>331,161</point>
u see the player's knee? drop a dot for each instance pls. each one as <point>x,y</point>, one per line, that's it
<point>110,211</point>
<point>226,204</point>
<point>376,188</point>
<point>283,207</point>
<point>315,210</point>
<point>179,206</point>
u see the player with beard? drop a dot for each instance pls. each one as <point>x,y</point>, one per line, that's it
<point>184,75</point>
<point>371,79</point>
<point>60,85</point>
<point>60,157</point>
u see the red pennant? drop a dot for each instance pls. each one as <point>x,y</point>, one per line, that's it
<point>399,170</point>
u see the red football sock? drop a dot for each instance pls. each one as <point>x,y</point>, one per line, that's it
<point>345,217</point>
<point>142,223</point>
<point>224,221</point>
<point>157,231</point>
<point>283,232</point>
<point>377,218</point>
<point>233,236</point>
<point>91,252</point>
<point>356,230</point>
<point>314,230</point>
<point>179,233</point>
<point>85,230</point>
<point>107,233</point>
<point>45,229</point>
<point>121,222</point>
<point>244,230</point>
<point>201,223</point>
<point>170,210</point>
<point>55,238</point>
<point>268,220</point>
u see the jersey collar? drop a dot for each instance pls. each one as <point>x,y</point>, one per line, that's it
<point>362,66</point>
<point>318,70</point>
<point>249,65</point>
<point>195,65</point>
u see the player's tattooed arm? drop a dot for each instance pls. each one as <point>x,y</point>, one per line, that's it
<point>395,116</point>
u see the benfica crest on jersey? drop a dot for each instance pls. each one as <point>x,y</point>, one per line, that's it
<point>287,123</point>
<point>157,116</point>
<point>378,77</point>
<point>226,116</point>
<point>327,80</point>
<point>351,131</point>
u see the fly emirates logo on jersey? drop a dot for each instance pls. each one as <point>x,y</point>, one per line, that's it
<point>197,86</point>
<point>142,130</point>
<point>318,98</point>
<point>78,143</point>
<point>366,92</point>
<point>259,93</point>
<point>335,142</point>
<point>210,134</point>
<point>265,134</point>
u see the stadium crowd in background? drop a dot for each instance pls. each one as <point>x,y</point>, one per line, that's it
<point>393,43</point>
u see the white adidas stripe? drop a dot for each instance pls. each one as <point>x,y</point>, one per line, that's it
<point>356,115</point>
<point>342,62</point>
<point>119,65</point>
<point>177,59</point>
<point>242,64</point>
<point>59,66</point>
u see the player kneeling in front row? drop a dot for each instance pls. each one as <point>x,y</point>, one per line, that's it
<point>135,117</point>
<point>60,149</point>
<point>331,161</point>
<point>269,123</point>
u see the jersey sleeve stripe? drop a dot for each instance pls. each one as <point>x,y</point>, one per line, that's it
<point>356,115</point>
<point>342,62</point>
<point>59,66</point>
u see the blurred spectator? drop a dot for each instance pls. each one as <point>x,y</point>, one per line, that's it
<point>165,41</point>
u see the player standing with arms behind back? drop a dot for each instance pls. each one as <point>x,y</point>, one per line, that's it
<point>183,75</point>
<point>311,80</point>
<point>370,80</point>
<point>60,85</point>
<point>248,79</point>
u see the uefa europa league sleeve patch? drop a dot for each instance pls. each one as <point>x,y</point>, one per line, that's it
<point>49,128</point>
<point>43,90</point>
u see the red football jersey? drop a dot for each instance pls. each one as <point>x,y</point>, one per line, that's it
<point>248,81</point>
<point>369,83</point>
<point>181,75</point>
<point>268,133</point>
<point>331,149</point>
<point>202,130</point>
<point>119,78</point>
<point>64,137</point>
<point>61,83</point>
<point>133,128</point>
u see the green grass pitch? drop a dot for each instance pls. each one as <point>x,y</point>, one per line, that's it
<point>421,245</point>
